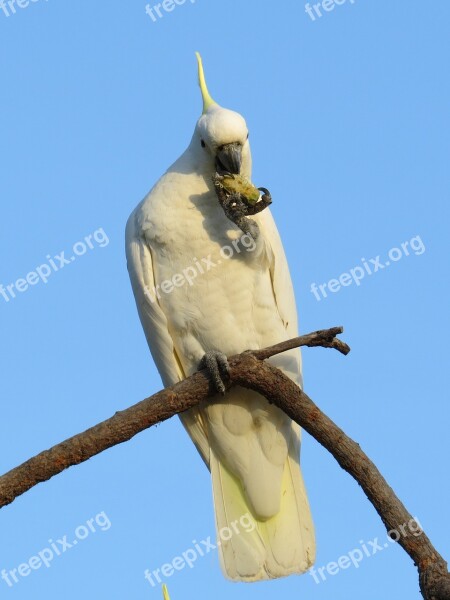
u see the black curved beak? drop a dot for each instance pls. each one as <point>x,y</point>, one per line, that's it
<point>229,159</point>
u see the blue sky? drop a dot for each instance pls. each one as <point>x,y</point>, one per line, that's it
<point>349,125</point>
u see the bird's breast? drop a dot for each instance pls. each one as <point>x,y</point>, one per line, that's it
<point>211,280</point>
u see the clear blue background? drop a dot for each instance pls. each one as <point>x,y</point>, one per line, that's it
<point>350,131</point>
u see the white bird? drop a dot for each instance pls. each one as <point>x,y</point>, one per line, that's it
<point>204,289</point>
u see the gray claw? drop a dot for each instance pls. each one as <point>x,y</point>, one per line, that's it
<point>217,365</point>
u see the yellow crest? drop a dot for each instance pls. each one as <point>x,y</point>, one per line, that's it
<point>165,592</point>
<point>207,100</point>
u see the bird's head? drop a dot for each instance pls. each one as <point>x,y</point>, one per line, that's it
<point>221,135</point>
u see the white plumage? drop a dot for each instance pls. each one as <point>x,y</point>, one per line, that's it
<point>245,301</point>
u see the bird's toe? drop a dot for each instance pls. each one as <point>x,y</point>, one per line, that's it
<point>218,368</point>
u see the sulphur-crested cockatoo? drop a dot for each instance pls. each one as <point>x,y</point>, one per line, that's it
<point>205,290</point>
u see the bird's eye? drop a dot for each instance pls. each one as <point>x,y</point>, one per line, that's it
<point>248,134</point>
<point>203,144</point>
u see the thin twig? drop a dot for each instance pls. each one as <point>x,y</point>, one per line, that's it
<point>324,337</point>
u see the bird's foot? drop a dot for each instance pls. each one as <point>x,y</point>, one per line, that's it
<point>217,366</point>
<point>237,211</point>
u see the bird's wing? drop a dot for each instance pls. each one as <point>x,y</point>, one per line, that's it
<point>155,325</point>
<point>153,319</point>
<point>279,272</point>
<point>283,291</point>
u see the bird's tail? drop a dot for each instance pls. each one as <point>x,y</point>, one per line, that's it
<point>252,549</point>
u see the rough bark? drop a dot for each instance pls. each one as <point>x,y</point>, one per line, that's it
<point>248,370</point>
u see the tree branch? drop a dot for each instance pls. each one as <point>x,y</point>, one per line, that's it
<point>247,370</point>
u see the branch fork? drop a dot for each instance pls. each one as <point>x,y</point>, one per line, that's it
<point>249,370</point>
